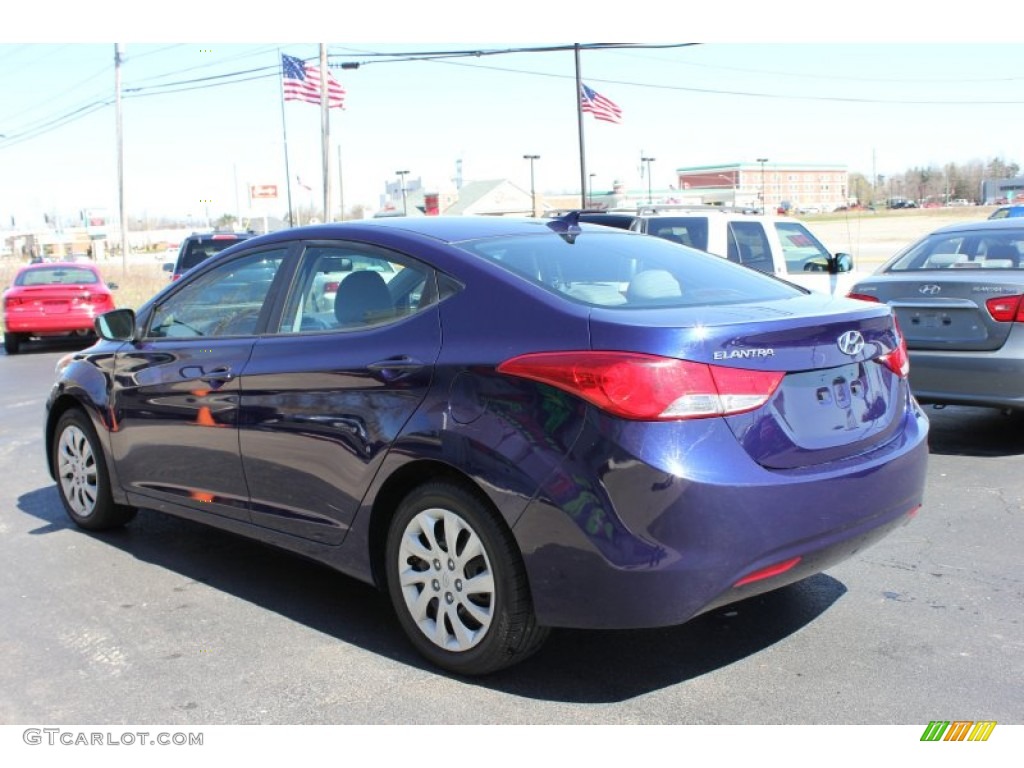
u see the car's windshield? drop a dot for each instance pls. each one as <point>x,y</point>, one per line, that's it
<point>623,270</point>
<point>57,276</point>
<point>996,249</point>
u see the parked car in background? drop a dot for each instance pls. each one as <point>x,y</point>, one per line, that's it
<point>777,245</point>
<point>53,299</point>
<point>959,296</point>
<point>1007,212</point>
<point>505,424</point>
<point>198,247</point>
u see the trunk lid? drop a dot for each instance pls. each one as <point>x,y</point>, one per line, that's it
<point>837,398</point>
<point>947,312</point>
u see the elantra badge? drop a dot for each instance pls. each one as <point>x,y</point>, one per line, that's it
<point>851,343</point>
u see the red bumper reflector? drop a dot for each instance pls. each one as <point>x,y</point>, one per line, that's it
<point>767,573</point>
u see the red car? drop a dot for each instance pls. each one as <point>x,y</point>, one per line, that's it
<point>53,299</point>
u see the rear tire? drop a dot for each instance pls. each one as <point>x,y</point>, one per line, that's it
<point>12,342</point>
<point>82,478</point>
<point>457,582</point>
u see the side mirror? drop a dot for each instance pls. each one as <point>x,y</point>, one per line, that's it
<point>841,262</point>
<point>116,325</point>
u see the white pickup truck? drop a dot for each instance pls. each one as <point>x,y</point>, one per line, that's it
<point>778,245</point>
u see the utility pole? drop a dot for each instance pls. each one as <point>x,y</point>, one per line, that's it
<point>120,158</point>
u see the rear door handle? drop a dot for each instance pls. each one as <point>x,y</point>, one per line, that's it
<point>396,367</point>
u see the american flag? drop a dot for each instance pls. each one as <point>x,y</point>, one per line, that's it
<point>302,83</point>
<point>600,107</point>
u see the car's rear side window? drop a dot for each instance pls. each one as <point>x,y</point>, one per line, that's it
<point>624,270</point>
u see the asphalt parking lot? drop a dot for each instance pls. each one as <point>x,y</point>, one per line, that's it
<point>170,622</point>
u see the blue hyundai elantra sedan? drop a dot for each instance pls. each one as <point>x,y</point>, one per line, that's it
<point>507,425</point>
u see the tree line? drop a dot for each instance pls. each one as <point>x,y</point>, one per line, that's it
<point>953,181</point>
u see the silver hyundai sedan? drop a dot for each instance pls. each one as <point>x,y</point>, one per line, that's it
<point>958,295</point>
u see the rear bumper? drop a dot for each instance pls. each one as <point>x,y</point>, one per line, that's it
<point>48,325</point>
<point>994,379</point>
<point>646,547</point>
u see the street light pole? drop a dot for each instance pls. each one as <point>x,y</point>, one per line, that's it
<point>401,179</point>
<point>590,194</point>
<point>732,181</point>
<point>533,186</point>
<point>764,188</point>
<point>648,160</point>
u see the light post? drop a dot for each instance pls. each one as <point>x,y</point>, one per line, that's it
<point>401,179</point>
<point>732,181</point>
<point>590,194</point>
<point>764,188</point>
<point>533,186</point>
<point>648,160</point>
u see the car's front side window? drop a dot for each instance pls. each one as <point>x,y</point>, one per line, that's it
<point>226,301</point>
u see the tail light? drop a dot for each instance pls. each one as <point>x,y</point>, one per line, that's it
<point>331,286</point>
<point>1006,309</point>
<point>864,297</point>
<point>898,361</point>
<point>648,387</point>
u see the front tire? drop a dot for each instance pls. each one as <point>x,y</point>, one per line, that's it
<point>457,582</point>
<point>82,478</point>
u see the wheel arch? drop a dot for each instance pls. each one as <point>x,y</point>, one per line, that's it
<point>397,487</point>
<point>67,401</point>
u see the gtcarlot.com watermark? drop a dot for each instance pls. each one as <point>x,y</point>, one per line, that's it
<point>60,737</point>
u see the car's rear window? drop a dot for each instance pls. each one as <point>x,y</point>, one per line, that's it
<point>626,270</point>
<point>197,251</point>
<point>993,250</point>
<point>57,276</point>
<point>685,230</point>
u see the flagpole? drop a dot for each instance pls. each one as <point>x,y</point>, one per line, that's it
<point>325,133</point>
<point>579,120</point>
<point>284,132</point>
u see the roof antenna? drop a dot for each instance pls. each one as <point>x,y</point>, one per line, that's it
<point>567,226</point>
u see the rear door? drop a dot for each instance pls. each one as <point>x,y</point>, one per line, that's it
<point>328,390</point>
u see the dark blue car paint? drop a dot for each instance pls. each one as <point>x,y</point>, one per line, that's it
<point>619,523</point>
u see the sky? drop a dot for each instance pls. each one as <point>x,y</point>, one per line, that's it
<point>877,98</point>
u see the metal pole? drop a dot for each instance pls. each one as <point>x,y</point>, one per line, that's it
<point>764,187</point>
<point>120,158</point>
<point>325,132</point>
<point>648,161</point>
<point>284,136</point>
<point>401,178</point>
<point>579,122</point>
<point>533,186</point>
